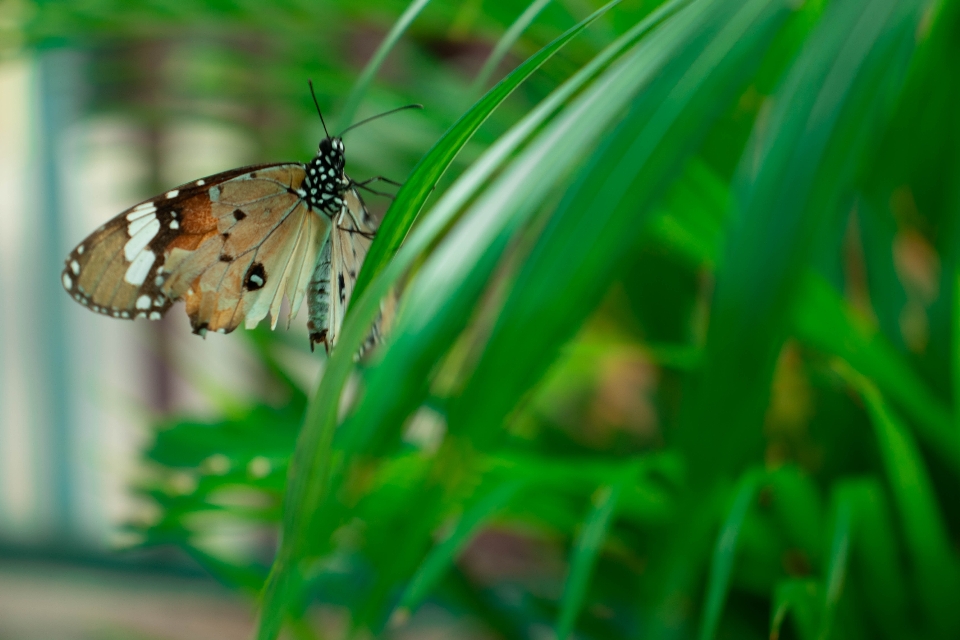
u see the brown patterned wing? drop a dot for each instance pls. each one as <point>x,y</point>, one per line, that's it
<point>231,245</point>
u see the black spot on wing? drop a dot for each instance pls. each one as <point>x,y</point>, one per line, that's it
<point>256,277</point>
<point>238,215</point>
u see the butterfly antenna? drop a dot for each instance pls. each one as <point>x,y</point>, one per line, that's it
<point>317,104</point>
<point>380,115</point>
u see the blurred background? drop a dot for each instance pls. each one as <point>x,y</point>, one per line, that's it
<point>728,409</point>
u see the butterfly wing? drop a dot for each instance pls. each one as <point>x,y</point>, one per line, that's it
<point>336,272</point>
<point>231,245</point>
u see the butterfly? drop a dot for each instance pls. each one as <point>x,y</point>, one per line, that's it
<point>233,245</point>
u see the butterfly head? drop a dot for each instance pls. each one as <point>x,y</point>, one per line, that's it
<point>330,153</point>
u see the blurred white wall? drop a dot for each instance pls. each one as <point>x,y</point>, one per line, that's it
<point>74,417</point>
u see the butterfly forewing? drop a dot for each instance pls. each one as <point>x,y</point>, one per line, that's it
<point>229,244</point>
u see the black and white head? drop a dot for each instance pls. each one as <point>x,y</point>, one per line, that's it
<point>331,150</point>
<point>325,181</point>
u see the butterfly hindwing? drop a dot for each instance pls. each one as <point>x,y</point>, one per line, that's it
<point>336,273</point>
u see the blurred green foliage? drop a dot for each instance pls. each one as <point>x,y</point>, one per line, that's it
<point>678,348</point>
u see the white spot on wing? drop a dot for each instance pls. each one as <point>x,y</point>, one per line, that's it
<point>139,242</point>
<point>172,194</point>
<point>174,224</point>
<point>141,210</point>
<point>200,183</point>
<point>155,315</point>
<point>138,270</point>
<point>75,267</point>
<point>143,302</point>
<point>134,227</point>
<point>80,250</point>
<point>67,282</point>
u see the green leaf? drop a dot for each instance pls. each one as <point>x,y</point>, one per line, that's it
<point>887,295</point>
<point>690,224</point>
<point>823,320</point>
<point>585,552</point>
<point>876,557</point>
<point>791,185</point>
<point>955,357</point>
<point>798,510</point>
<point>440,559</point>
<point>506,42</point>
<point>721,566</point>
<point>417,188</point>
<point>441,299</point>
<point>801,598</point>
<point>936,574</point>
<point>696,59</point>
<point>386,46</point>
<point>837,559</point>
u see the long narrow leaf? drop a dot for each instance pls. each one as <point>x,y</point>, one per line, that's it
<point>599,220</point>
<point>386,46</point>
<point>837,560</point>
<point>801,598</point>
<point>928,543</point>
<point>793,178</point>
<point>411,197</point>
<point>876,556</point>
<point>506,42</point>
<point>721,567</point>
<point>433,568</point>
<point>823,320</point>
<point>392,381</point>
<point>585,552</point>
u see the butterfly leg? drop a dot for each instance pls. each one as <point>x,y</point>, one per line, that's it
<point>378,179</point>
<point>364,183</point>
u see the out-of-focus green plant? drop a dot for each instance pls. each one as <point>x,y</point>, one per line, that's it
<point>677,346</point>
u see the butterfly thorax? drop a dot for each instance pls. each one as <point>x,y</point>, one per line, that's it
<point>325,181</point>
